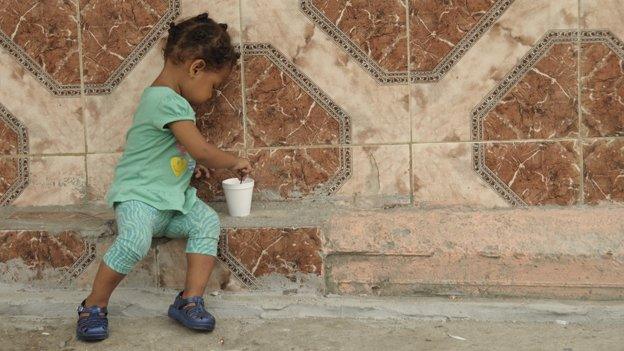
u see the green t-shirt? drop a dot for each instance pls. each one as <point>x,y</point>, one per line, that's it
<point>154,168</point>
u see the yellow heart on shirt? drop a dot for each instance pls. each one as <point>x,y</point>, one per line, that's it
<point>178,165</point>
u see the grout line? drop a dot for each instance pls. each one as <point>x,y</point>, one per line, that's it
<point>83,109</point>
<point>242,77</point>
<point>409,103</point>
<point>329,146</point>
<point>580,108</point>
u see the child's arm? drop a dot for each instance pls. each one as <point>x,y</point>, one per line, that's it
<point>206,154</point>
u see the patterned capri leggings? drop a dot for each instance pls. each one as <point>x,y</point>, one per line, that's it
<point>138,222</point>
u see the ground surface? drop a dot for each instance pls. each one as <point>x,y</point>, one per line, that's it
<point>44,320</point>
<point>156,333</point>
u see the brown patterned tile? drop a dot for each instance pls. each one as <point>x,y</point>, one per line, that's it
<point>535,173</point>
<point>13,134</point>
<point>291,174</point>
<point>40,250</point>
<point>543,104</point>
<point>8,175</point>
<point>280,112</point>
<point>378,28</point>
<point>111,30</point>
<point>436,27</point>
<point>47,33</point>
<point>8,139</point>
<point>602,90</point>
<point>284,251</point>
<point>221,119</point>
<point>604,170</point>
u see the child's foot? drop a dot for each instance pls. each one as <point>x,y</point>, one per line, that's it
<point>92,323</point>
<point>191,313</point>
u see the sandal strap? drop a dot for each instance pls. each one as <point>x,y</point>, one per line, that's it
<point>97,310</point>
<point>197,300</point>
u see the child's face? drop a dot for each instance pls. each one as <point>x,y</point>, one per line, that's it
<point>201,82</point>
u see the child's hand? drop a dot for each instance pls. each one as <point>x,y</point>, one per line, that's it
<point>242,167</point>
<point>201,172</point>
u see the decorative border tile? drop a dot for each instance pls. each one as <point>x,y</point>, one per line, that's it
<point>33,67</point>
<point>514,77</point>
<point>16,125</point>
<point>124,68</point>
<point>237,268</point>
<point>384,77</point>
<point>81,264</point>
<point>335,111</point>
<point>22,149</point>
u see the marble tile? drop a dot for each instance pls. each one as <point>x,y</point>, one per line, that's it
<point>532,173</point>
<point>100,173</point>
<point>209,188</point>
<point>377,28</point>
<point>38,255</point>
<point>284,251</point>
<point>437,27</point>
<point>602,88</point>
<point>220,120</point>
<point>380,176</point>
<point>443,175</point>
<point>14,177</point>
<point>442,111</point>
<point>603,14</point>
<point>543,104</point>
<point>48,124</point>
<point>40,249</point>
<point>112,30</point>
<point>603,168</point>
<point>378,113</point>
<point>46,34</point>
<point>291,174</point>
<point>108,117</point>
<point>54,180</point>
<point>282,113</point>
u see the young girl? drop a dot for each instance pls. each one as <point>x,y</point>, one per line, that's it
<point>151,193</point>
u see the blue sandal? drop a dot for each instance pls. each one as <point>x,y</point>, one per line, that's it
<point>194,316</point>
<point>93,327</point>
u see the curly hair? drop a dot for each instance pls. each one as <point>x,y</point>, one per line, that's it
<point>200,37</point>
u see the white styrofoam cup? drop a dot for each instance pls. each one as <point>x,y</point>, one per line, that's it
<point>238,196</point>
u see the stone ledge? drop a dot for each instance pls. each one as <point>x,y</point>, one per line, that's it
<point>575,252</point>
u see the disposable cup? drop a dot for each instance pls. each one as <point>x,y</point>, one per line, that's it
<point>238,196</point>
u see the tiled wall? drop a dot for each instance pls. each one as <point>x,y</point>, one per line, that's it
<point>482,103</point>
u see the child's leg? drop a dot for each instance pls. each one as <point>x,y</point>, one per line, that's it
<point>202,227</point>
<point>106,280</point>
<point>136,222</point>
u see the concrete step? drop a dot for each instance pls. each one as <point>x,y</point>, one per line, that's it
<point>306,247</point>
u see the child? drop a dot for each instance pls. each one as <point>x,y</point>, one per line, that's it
<point>151,193</point>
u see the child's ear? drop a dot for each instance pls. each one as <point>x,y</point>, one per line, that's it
<point>196,67</point>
